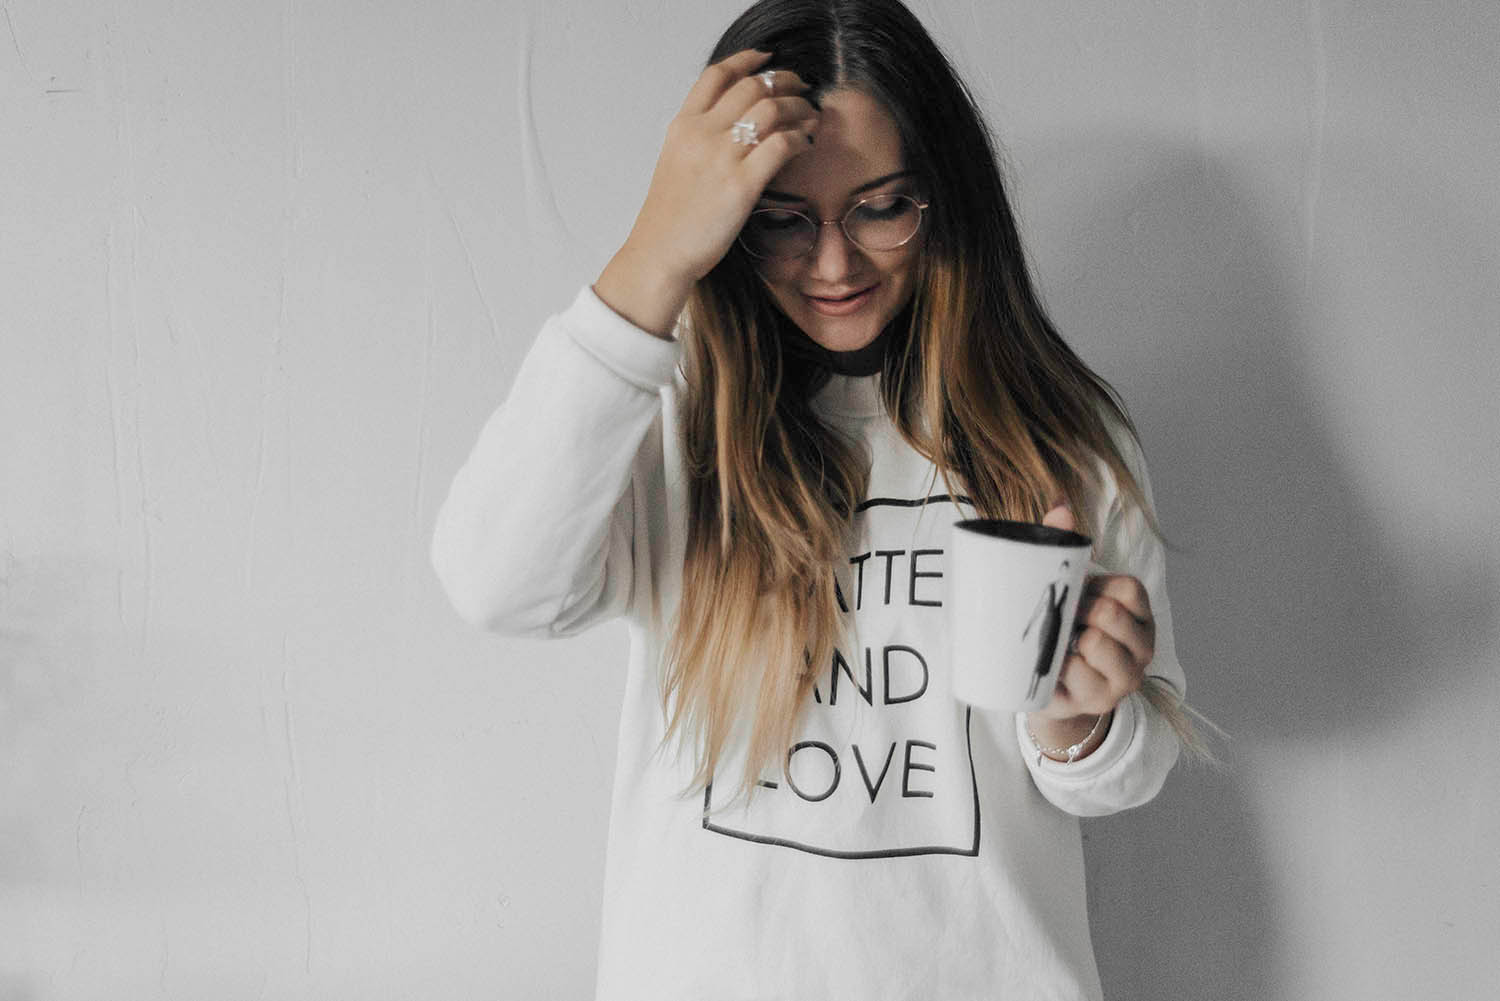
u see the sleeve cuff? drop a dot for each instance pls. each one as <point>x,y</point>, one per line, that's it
<point>640,358</point>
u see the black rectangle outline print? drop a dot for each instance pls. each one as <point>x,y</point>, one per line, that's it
<point>971,851</point>
<point>914,502</point>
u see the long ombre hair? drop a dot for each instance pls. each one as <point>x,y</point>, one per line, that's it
<point>975,378</point>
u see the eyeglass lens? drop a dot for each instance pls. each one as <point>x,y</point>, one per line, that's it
<point>881,223</point>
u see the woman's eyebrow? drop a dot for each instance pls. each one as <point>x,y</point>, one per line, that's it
<point>782,196</point>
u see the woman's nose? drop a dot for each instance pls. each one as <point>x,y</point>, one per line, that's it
<point>832,253</point>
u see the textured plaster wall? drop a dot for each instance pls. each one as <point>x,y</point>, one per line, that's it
<point>266,268</point>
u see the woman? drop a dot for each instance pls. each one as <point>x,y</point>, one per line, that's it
<point>735,438</point>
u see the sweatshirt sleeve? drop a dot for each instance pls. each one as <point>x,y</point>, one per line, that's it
<point>538,533</point>
<point>1131,765</point>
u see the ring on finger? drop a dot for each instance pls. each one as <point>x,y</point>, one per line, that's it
<point>743,133</point>
<point>769,79</point>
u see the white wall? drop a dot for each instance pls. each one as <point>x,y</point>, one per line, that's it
<point>266,268</point>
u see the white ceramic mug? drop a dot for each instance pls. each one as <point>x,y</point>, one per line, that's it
<point>1012,596</point>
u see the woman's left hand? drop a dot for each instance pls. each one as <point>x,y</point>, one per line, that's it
<point>1114,639</point>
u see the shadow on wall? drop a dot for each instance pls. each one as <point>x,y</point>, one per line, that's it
<point>37,595</point>
<point>37,598</point>
<point>1290,617</point>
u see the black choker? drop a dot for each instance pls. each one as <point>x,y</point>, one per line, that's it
<point>803,350</point>
<point>861,361</point>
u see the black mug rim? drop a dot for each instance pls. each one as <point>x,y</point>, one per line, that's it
<point>1024,531</point>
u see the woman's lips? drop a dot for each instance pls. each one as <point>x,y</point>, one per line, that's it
<point>842,307</point>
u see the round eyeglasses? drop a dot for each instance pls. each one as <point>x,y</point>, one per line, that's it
<point>883,222</point>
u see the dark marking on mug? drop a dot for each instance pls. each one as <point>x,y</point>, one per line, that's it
<point>1050,609</point>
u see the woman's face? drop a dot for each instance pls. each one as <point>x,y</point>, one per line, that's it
<point>857,154</point>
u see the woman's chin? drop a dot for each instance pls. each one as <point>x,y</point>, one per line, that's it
<point>839,336</point>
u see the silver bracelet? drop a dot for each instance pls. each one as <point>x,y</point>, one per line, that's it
<point>1071,750</point>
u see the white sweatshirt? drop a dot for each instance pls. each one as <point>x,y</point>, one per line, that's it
<point>920,850</point>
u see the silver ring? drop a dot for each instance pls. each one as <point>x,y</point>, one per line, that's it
<point>744,133</point>
<point>769,79</point>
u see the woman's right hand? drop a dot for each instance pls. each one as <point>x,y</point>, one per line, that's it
<point>705,185</point>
